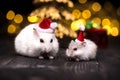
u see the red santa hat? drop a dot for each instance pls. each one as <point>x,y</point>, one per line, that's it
<point>46,26</point>
<point>80,37</point>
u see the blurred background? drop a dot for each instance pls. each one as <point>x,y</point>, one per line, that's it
<point>100,17</point>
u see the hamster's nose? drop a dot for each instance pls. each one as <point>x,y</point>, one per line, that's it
<point>48,49</point>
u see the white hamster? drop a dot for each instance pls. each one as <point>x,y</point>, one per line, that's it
<point>81,51</point>
<point>34,43</point>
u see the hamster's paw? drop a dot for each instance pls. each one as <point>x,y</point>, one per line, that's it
<point>41,57</point>
<point>70,59</point>
<point>51,57</point>
<point>77,59</point>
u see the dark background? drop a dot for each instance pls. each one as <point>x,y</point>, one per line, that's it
<point>26,6</point>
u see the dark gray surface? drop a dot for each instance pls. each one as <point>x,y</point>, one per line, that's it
<point>16,67</point>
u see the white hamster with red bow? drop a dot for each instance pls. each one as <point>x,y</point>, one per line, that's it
<point>81,49</point>
<point>34,41</point>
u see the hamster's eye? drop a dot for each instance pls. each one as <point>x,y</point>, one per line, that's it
<point>75,49</point>
<point>41,40</point>
<point>51,40</point>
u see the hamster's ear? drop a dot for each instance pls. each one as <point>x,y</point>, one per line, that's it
<point>35,32</point>
<point>84,44</point>
<point>34,29</point>
<point>72,41</point>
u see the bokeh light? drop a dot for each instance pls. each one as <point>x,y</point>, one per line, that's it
<point>70,4</point>
<point>114,31</point>
<point>96,6</point>
<point>82,21</point>
<point>108,28</point>
<point>89,25</point>
<point>75,25</point>
<point>10,15</point>
<point>62,30</point>
<point>32,19</point>
<point>114,23</point>
<point>73,34</point>
<point>76,13</point>
<point>67,15</point>
<point>82,1</point>
<point>18,18</point>
<point>11,29</point>
<point>95,25</point>
<point>106,21</point>
<point>92,14</point>
<point>97,20</point>
<point>86,14</point>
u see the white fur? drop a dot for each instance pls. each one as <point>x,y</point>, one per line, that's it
<point>27,42</point>
<point>84,53</point>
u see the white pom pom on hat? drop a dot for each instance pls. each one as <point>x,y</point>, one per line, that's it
<point>53,25</point>
<point>46,26</point>
<point>80,37</point>
<point>82,27</point>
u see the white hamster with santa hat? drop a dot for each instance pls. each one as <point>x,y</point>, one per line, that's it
<point>81,49</point>
<point>38,40</point>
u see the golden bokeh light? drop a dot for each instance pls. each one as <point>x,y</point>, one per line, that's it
<point>56,33</point>
<point>96,20</point>
<point>62,31</point>
<point>114,31</point>
<point>64,1</point>
<point>70,4</point>
<point>32,19</point>
<point>11,29</point>
<point>70,16</point>
<point>67,15</point>
<point>82,1</point>
<point>66,32</point>
<point>115,23</point>
<point>61,28</point>
<point>82,21</point>
<point>10,15</point>
<point>75,25</point>
<point>96,6</point>
<point>106,21</point>
<point>76,13</point>
<point>61,35</point>
<point>108,28</point>
<point>86,14</point>
<point>18,18</point>
<point>95,25</point>
<point>73,34</point>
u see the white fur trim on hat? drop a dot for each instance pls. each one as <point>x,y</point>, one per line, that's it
<point>76,40</point>
<point>46,30</point>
